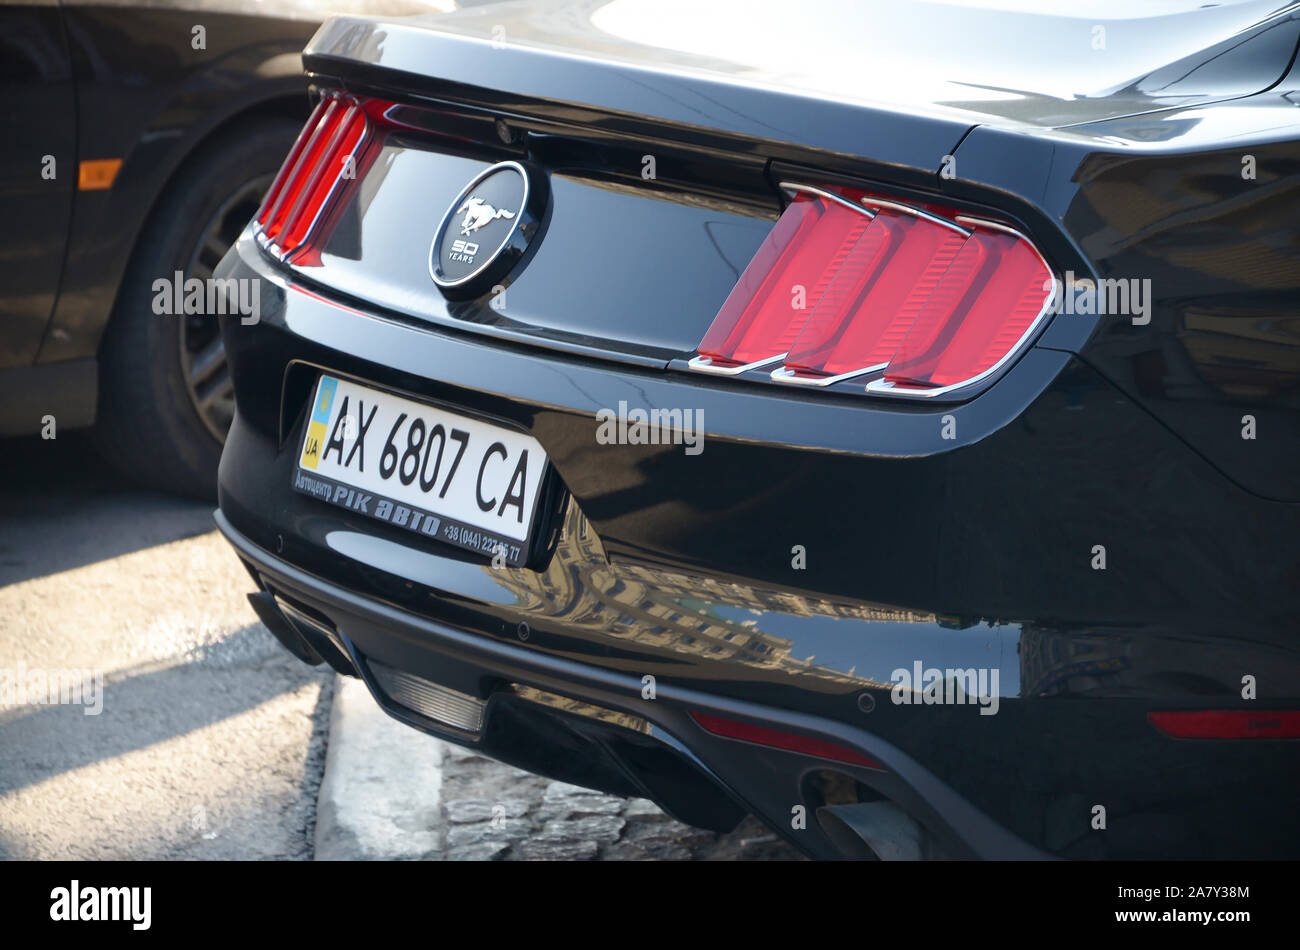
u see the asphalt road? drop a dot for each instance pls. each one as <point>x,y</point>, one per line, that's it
<point>210,739</point>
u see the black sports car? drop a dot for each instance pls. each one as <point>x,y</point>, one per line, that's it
<point>879,418</point>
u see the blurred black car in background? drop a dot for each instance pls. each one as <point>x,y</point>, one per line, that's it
<point>138,140</point>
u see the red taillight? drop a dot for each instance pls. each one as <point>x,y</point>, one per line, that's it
<point>1228,723</point>
<point>850,284</point>
<point>333,150</point>
<point>780,739</point>
<point>766,310</point>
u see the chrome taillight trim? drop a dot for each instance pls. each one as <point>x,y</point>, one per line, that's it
<point>783,374</point>
<point>915,212</point>
<point>795,187</point>
<point>702,364</point>
<point>975,222</point>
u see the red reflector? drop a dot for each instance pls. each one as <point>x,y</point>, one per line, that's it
<point>849,284</point>
<point>779,739</point>
<point>1228,723</point>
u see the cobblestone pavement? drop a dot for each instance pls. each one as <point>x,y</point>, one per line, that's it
<point>493,811</point>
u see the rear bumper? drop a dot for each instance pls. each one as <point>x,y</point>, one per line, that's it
<point>969,554</point>
<point>540,709</point>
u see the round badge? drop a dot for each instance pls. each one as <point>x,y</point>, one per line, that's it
<point>487,229</point>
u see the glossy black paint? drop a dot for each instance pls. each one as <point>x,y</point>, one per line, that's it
<point>970,552</point>
<point>761,69</point>
<point>1221,342</point>
<point>1163,198</point>
<point>692,774</point>
<point>367,255</point>
<point>894,573</point>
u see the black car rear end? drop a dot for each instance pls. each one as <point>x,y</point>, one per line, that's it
<point>1051,611</point>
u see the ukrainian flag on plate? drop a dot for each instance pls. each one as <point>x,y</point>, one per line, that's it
<point>320,416</point>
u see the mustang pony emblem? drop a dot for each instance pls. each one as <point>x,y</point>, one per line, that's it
<point>480,214</point>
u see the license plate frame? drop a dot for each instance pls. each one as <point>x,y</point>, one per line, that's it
<point>437,525</point>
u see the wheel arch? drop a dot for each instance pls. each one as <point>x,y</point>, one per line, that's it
<point>108,226</point>
<point>283,106</point>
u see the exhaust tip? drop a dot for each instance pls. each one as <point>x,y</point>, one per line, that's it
<point>874,831</point>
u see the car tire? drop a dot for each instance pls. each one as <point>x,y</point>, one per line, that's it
<point>165,400</point>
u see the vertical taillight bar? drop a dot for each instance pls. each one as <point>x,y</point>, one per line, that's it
<point>333,149</point>
<point>286,172</point>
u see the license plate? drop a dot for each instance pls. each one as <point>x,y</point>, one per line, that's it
<point>438,474</point>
